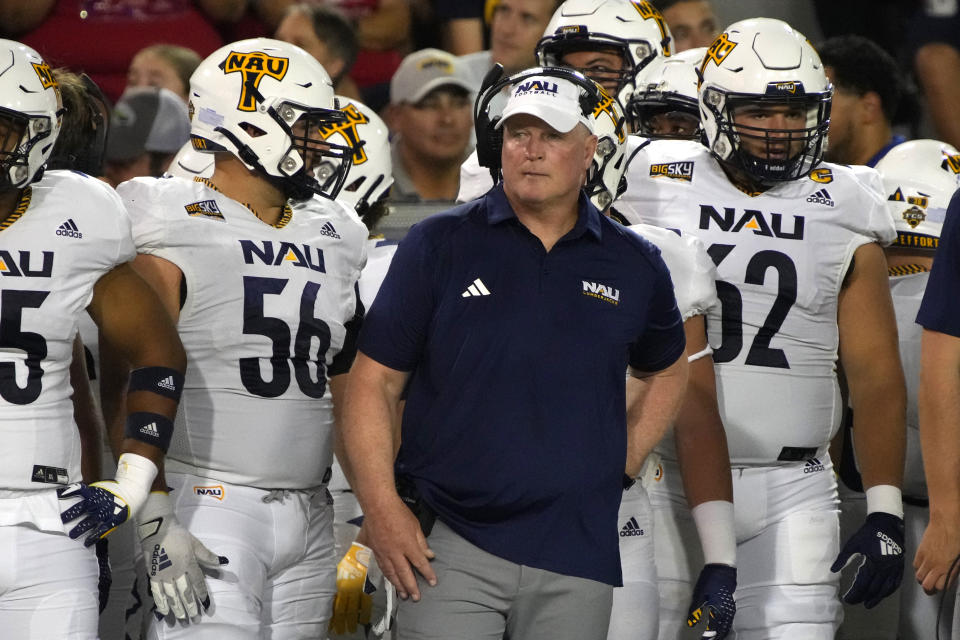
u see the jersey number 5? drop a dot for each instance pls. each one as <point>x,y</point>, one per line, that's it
<point>256,323</point>
<point>12,304</point>
<point>760,353</point>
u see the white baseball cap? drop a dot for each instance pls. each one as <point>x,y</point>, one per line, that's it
<point>554,100</point>
<point>423,71</point>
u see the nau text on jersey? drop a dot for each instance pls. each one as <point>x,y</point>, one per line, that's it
<point>733,221</point>
<point>601,292</point>
<point>26,264</point>
<point>676,170</point>
<point>276,253</point>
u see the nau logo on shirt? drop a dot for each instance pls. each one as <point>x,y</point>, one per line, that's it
<point>536,87</point>
<point>215,491</point>
<point>649,12</point>
<point>252,68</point>
<point>823,176</point>
<point>348,130</point>
<point>675,170</point>
<point>601,292</point>
<point>733,221</point>
<point>277,253</point>
<point>26,264</point>
<point>204,209</point>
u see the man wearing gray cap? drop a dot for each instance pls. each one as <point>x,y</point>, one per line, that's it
<point>489,319</point>
<point>429,113</point>
<point>148,127</point>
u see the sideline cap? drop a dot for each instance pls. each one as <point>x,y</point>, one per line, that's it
<point>554,100</point>
<point>147,119</point>
<point>423,71</point>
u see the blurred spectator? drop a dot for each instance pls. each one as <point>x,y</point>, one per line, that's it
<point>515,28</point>
<point>164,65</point>
<point>935,37</point>
<point>692,23</point>
<point>147,128</point>
<point>430,116</point>
<point>461,25</point>
<point>101,37</point>
<point>83,134</point>
<point>327,35</point>
<point>867,90</point>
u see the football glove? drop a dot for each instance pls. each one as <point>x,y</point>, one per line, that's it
<point>103,506</point>
<point>713,600</point>
<point>353,602</point>
<point>879,543</point>
<point>175,560</point>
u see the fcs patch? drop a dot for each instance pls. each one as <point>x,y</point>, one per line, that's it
<point>348,130</point>
<point>913,216</point>
<point>823,176</point>
<point>204,209</point>
<point>215,491</point>
<point>253,67</point>
<point>675,170</point>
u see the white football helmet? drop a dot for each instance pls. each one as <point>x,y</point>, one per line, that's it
<point>605,180</point>
<point>30,111</point>
<point>919,178</point>
<point>667,86</point>
<point>757,63</point>
<point>636,29</point>
<point>371,172</point>
<point>264,101</point>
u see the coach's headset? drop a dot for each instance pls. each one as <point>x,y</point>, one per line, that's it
<point>492,98</point>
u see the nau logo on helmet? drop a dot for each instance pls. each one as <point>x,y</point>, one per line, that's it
<point>45,74</point>
<point>572,29</point>
<point>25,265</point>
<point>605,105</point>
<point>601,292</point>
<point>913,216</point>
<point>215,491</point>
<point>718,51</point>
<point>784,88</point>
<point>676,170</point>
<point>536,86</point>
<point>649,12</point>
<point>348,130</point>
<point>823,176</point>
<point>277,253</point>
<point>951,163</point>
<point>733,221</point>
<point>252,68</point>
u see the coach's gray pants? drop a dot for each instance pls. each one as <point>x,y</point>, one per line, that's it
<point>480,596</point>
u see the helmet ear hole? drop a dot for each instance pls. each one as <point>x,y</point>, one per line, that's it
<point>252,130</point>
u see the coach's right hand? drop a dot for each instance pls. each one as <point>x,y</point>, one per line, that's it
<point>175,560</point>
<point>394,534</point>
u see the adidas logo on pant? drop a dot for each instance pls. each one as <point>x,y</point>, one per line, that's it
<point>631,529</point>
<point>812,465</point>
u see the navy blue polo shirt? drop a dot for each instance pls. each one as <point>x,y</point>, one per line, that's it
<point>514,429</point>
<point>940,309</point>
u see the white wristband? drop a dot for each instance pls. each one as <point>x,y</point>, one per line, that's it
<point>886,498</point>
<point>135,475</point>
<point>714,520</point>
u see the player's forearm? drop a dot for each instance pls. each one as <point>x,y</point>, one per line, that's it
<point>652,405</point>
<point>879,428</point>
<point>939,403</point>
<point>700,440</point>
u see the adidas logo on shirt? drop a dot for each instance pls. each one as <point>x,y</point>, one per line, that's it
<point>69,229</point>
<point>328,230</point>
<point>150,430</point>
<point>812,465</point>
<point>167,383</point>
<point>887,546</point>
<point>476,288</point>
<point>631,529</point>
<point>821,197</point>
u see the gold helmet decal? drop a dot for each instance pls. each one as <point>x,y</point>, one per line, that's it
<point>605,105</point>
<point>46,76</point>
<point>649,12</point>
<point>951,163</point>
<point>253,67</point>
<point>348,130</point>
<point>717,52</point>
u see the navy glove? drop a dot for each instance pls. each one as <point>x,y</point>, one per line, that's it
<point>880,544</point>
<point>100,508</point>
<point>106,575</point>
<point>713,600</point>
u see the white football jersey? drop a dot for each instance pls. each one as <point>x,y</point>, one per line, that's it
<point>263,317</point>
<point>907,292</point>
<point>72,231</point>
<point>781,258</point>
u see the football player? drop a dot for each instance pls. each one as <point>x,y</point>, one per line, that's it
<point>265,300</point>
<point>64,244</point>
<point>797,246</point>
<point>664,103</point>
